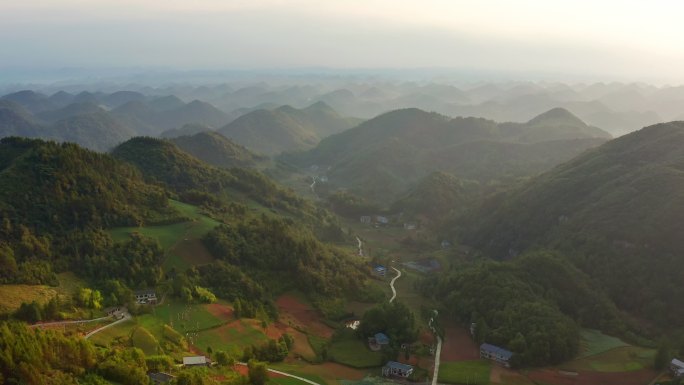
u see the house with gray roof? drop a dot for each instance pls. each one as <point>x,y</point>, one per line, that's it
<point>496,354</point>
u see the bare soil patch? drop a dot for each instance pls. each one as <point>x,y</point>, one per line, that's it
<point>220,311</point>
<point>295,313</point>
<point>458,346</point>
<point>193,252</point>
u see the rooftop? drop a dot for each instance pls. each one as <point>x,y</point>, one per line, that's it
<point>195,360</point>
<point>381,338</point>
<point>398,365</point>
<point>677,363</point>
<point>505,354</point>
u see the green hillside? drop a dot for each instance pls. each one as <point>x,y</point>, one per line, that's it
<point>437,196</point>
<point>15,120</point>
<point>98,131</point>
<point>614,211</point>
<point>285,128</point>
<point>382,157</point>
<point>54,201</point>
<point>215,149</point>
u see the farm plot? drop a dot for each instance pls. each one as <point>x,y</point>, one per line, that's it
<point>353,352</point>
<point>465,372</point>
<point>594,342</point>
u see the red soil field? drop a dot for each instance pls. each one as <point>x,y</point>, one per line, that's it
<point>243,370</point>
<point>458,346</point>
<point>299,315</point>
<point>220,311</point>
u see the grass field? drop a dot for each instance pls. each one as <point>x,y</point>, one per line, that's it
<point>114,334</point>
<point>465,372</point>
<point>145,341</point>
<point>179,240</point>
<point>182,317</point>
<point>620,359</point>
<point>354,353</point>
<point>11,296</point>
<point>231,338</point>
<point>594,342</point>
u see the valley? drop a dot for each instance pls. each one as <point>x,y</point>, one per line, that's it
<point>390,250</point>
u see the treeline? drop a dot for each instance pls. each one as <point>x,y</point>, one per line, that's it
<point>249,298</point>
<point>48,357</point>
<point>269,249</point>
<point>162,162</point>
<point>533,306</point>
<point>271,351</point>
<point>393,319</point>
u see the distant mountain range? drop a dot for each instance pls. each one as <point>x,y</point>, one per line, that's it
<point>381,158</point>
<point>100,121</point>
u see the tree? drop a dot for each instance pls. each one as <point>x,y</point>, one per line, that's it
<point>224,359</point>
<point>257,372</point>
<point>662,357</point>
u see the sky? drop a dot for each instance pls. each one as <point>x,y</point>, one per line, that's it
<point>632,40</point>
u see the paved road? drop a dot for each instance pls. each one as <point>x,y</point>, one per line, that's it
<point>394,291</point>
<point>360,246</point>
<point>438,353</point>
<point>287,375</point>
<point>126,317</point>
<point>68,322</point>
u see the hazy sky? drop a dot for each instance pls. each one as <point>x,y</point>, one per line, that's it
<point>639,40</point>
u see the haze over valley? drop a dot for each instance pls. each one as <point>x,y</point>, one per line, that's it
<point>341,193</point>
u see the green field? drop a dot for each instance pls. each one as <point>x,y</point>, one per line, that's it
<point>145,341</point>
<point>354,353</point>
<point>594,342</point>
<point>120,332</point>
<point>621,359</point>
<point>179,239</point>
<point>11,296</point>
<point>233,338</point>
<point>183,318</point>
<point>465,372</point>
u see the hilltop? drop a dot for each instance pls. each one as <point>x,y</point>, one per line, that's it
<point>285,128</point>
<point>215,149</point>
<point>382,157</point>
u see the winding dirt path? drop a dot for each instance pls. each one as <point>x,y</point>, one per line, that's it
<point>286,375</point>
<point>68,322</point>
<point>360,246</point>
<point>126,317</point>
<point>394,291</point>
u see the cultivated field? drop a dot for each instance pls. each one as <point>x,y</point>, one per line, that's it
<point>594,342</point>
<point>465,372</point>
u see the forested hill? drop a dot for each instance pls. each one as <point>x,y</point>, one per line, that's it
<point>200,183</point>
<point>382,157</point>
<point>285,128</point>
<point>161,161</point>
<point>56,187</point>
<point>215,149</point>
<point>615,211</point>
<point>438,196</point>
<point>54,201</point>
